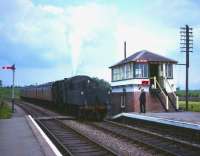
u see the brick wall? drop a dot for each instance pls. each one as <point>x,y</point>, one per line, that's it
<point>133,104</point>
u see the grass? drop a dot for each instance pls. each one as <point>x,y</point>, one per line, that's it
<point>6,93</point>
<point>192,93</point>
<point>193,106</point>
<point>5,111</point>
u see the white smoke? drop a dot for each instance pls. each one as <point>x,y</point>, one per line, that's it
<point>86,22</point>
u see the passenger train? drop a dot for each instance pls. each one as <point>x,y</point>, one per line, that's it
<point>80,96</point>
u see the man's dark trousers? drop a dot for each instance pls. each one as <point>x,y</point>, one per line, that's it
<point>143,102</point>
<point>142,108</point>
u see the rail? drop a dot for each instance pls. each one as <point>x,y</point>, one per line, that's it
<point>72,142</point>
<point>167,144</point>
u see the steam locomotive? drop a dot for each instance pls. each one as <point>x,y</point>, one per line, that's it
<point>80,96</point>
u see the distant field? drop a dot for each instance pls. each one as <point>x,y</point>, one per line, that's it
<point>192,106</point>
<point>192,93</point>
<point>7,92</point>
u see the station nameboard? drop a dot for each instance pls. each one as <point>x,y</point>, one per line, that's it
<point>141,60</point>
<point>145,82</point>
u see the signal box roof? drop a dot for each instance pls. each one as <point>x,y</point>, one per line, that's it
<point>145,56</point>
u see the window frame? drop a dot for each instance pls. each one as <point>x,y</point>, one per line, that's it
<point>169,74</point>
<point>147,69</point>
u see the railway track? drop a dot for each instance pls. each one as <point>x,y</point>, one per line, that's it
<point>173,131</point>
<point>71,142</point>
<point>34,112</point>
<point>163,144</point>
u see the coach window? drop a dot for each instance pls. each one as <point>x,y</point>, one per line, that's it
<point>141,70</point>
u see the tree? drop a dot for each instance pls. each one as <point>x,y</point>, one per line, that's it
<point>102,83</point>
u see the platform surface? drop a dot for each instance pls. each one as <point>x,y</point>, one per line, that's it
<point>16,137</point>
<point>190,117</point>
<point>18,111</point>
<point>182,119</point>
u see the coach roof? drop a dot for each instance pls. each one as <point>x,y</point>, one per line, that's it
<point>146,56</point>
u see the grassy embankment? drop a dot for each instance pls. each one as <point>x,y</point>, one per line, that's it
<point>192,93</point>
<point>193,106</point>
<point>5,110</point>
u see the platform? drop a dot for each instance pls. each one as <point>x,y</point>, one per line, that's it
<point>16,138</point>
<point>19,136</point>
<point>181,119</point>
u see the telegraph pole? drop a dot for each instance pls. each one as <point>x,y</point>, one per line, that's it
<point>187,47</point>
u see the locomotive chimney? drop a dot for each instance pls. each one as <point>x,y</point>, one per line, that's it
<point>124,49</point>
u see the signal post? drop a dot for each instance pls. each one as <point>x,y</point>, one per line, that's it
<point>13,84</point>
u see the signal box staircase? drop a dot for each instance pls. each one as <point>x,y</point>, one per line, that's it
<point>168,101</point>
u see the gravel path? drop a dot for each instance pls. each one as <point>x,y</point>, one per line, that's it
<point>119,145</point>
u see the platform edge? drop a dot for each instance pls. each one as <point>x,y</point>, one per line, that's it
<point>48,147</point>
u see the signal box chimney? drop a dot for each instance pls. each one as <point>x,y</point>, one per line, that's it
<point>124,49</point>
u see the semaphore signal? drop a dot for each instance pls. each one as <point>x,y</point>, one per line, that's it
<point>9,67</point>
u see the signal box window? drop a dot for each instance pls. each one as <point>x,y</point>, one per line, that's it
<point>169,71</point>
<point>141,70</point>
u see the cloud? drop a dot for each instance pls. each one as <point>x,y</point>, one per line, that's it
<point>56,31</point>
<point>86,24</point>
<point>52,9</point>
<point>141,36</point>
<point>46,36</point>
<point>174,14</point>
<point>87,37</point>
<point>43,27</point>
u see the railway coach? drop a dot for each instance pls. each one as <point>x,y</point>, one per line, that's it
<point>80,96</point>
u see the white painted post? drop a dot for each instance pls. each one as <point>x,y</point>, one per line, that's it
<point>154,78</point>
<point>164,71</point>
<point>165,81</point>
<point>167,103</point>
<point>177,104</point>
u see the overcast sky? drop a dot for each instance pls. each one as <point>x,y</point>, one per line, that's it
<point>52,39</point>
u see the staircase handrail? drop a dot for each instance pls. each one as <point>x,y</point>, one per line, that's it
<point>166,97</point>
<point>176,97</point>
